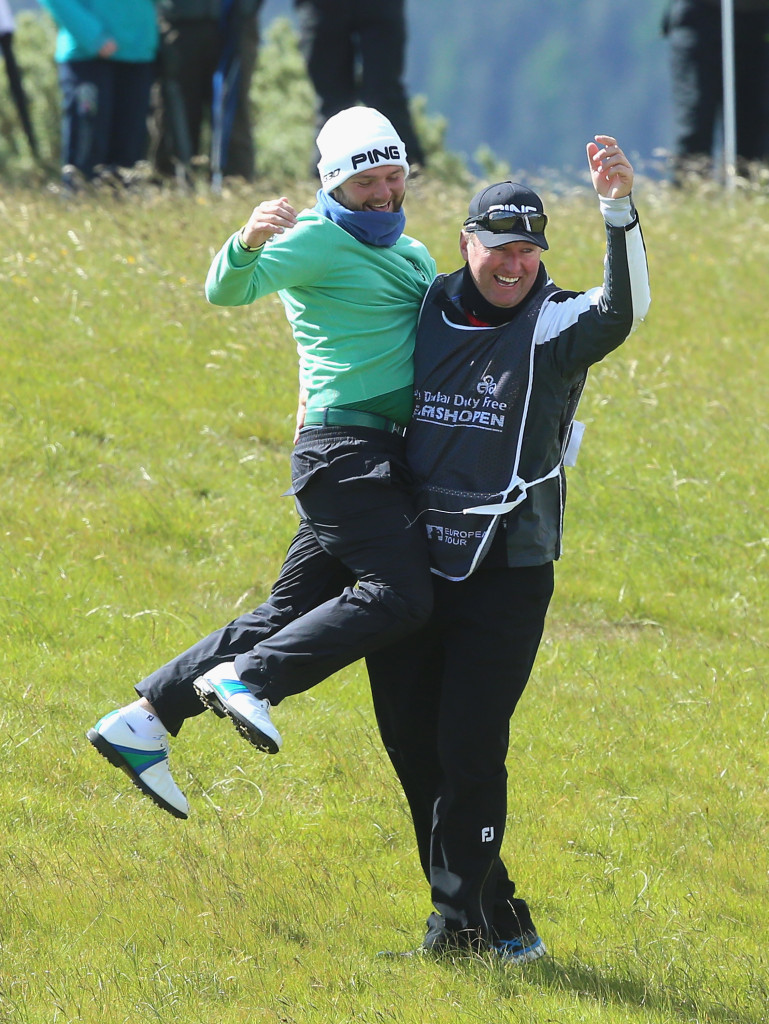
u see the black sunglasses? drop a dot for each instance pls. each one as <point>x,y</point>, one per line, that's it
<point>501,222</point>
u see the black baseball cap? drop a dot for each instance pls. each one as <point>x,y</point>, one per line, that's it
<point>507,212</point>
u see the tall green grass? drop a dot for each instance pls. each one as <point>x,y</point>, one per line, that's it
<point>144,440</point>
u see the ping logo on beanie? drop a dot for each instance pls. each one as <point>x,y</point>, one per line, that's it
<point>355,140</point>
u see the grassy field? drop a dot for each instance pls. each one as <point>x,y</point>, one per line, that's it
<point>144,440</point>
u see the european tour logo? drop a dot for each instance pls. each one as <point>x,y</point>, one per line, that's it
<point>450,535</point>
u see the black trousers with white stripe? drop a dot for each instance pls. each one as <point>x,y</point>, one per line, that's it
<point>444,697</point>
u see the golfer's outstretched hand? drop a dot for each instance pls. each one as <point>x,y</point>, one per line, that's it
<point>272,217</point>
<point>610,169</point>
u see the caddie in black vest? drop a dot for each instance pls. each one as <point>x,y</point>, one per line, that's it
<point>502,355</point>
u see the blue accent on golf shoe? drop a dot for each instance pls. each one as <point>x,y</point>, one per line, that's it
<point>145,761</point>
<point>520,950</point>
<point>221,691</point>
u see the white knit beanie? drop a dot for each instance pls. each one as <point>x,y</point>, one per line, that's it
<point>355,140</point>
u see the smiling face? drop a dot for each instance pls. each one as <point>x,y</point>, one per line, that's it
<point>505,274</point>
<point>379,189</point>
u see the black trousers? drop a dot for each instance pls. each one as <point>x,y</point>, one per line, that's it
<point>355,52</point>
<point>694,31</point>
<point>104,113</point>
<point>356,577</point>
<point>444,697</point>
<point>189,55</point>
<point>240,158</point>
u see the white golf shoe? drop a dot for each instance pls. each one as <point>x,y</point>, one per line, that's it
<point>144,760</point>
<point>222,692</point>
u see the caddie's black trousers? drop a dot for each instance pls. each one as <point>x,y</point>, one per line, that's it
<point>443,698</point>
<point>356,577</point>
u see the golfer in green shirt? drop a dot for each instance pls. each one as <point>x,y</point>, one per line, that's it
<point>356,576</point>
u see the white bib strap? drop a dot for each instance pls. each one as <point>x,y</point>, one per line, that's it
<point>507,506</point>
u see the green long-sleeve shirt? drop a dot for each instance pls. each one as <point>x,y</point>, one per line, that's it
<point>352,307</point>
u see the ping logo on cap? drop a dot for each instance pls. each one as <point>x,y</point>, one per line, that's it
<point>373,156</point>
<point>513,209</point>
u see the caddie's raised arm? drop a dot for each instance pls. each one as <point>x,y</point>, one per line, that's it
<point>610,169</point>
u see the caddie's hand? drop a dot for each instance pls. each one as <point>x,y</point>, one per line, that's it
<point>610,169</point>
<point>272,217</point>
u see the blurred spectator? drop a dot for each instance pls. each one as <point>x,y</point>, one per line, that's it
<point>355,53</point>
<point>693,28</point>
<point>105,51</point>
<point>207,58</point>
<point>7,27</point>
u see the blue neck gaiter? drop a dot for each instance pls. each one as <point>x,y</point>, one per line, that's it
<point>381,229</point>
